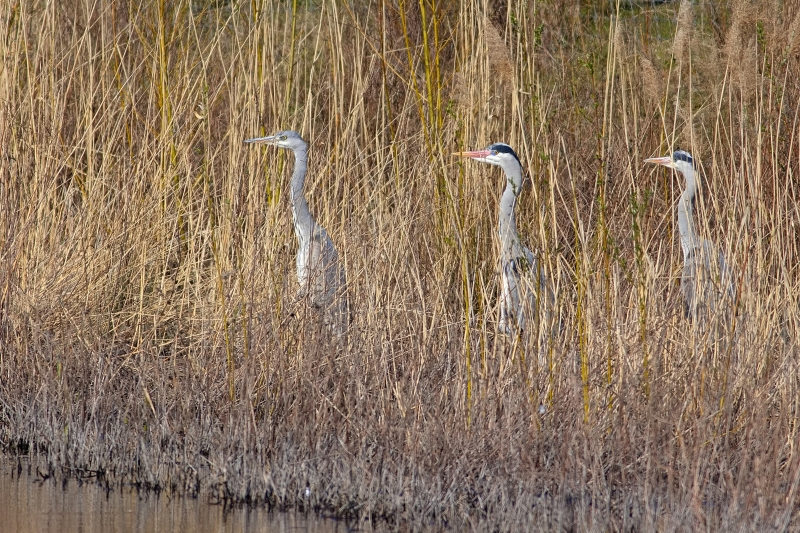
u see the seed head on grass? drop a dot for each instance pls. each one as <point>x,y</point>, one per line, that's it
<point>793,37</point>
<point>498,53</point>
<point>651,81</point>
<point>683,32</point>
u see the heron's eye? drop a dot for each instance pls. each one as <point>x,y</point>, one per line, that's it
<point>284,137</point>
<point>494,152</point>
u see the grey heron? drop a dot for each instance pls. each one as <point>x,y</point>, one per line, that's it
<point>320,273</point>
<point>707,279</point>
<point>524,284</point>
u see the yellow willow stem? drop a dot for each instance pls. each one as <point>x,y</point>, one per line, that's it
<point>413,77</point>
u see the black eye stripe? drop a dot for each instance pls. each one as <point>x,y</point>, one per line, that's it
<point>504,149</point>
<point>680,155</point>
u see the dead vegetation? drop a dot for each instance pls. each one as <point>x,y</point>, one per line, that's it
<point>148,328</point>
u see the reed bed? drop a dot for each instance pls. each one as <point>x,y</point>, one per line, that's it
<point>150,332</point>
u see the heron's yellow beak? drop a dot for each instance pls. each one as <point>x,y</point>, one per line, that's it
<point>664,161</point>
<point>477,154</point>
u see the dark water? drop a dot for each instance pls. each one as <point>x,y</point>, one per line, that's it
<point>31,505</point>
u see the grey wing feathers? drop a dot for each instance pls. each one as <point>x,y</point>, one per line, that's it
<point>726,277</point>
<point>522,272</point>
<point>329,282</point>
<point>707,282</point>
<point>544,287</point>
<point>687,288</point>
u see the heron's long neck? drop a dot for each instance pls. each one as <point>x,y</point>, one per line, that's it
<point>685,222</point>
<point>303,222</point>
<point>508,223</point>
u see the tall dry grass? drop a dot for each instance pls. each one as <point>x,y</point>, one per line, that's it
<point>150,331</point>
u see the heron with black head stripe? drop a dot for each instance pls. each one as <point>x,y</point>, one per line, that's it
<point>707,280</point>
<point>524,285</point>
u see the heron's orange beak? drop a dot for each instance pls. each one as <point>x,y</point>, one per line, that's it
<point>665,161</point>
<point>477,154</point>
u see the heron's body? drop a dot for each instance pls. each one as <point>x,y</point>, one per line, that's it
<point>524,288</point>
<point>320,273</point>
<point>707,281</point>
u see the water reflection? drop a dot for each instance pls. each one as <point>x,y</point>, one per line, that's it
<point>30,505</point>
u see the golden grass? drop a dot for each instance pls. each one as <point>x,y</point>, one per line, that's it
<point>150,332</point>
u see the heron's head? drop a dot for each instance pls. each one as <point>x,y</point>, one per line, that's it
<point>679,160</point>
<point>499,154</point>
<point>283,139</point>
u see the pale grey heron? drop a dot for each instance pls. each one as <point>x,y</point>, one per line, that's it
<point>707,280</point>
<point>524,284</point>
<point>319,272</point>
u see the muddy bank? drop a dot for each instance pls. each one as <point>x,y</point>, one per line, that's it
<point>331,440</point>
<point>315,447</point>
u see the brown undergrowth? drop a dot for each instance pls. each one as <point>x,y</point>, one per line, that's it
<point>150,331</point>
